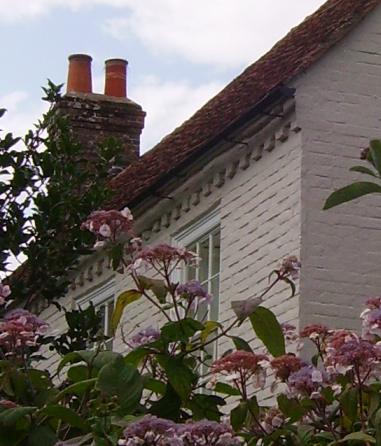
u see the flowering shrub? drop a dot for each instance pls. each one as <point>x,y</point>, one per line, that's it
<point>153,431</point>
<point>19,330</point>
<point>145,336</point>
<point>5,292</point>
<point>242,369</point>
<point>109,225</point>
<point>165,390</point>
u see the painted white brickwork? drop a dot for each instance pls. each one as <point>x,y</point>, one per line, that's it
<point>270,191</point>
<point>259,207</point>
<point>339,109</point>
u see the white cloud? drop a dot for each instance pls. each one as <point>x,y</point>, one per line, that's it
<point>225,33</point>
<point>219,32</point>
<point>18,10</point>
<point>168,104</point>
<point>17,120</point>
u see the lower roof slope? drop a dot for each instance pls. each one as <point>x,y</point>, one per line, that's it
<point>296,52</point>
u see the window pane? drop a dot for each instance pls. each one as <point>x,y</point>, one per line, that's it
<point>110,309</point>
<point>101,312</point>
<point>207,273</point>
<point>204,260</point>
<point>214,291</point>
<point>202,312</point>
<point>190,272</point>
<point>216,248</point>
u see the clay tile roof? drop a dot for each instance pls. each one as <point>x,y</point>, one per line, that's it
<point>296,52</point>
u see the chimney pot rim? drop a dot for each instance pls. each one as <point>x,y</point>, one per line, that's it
<point>80,56</point>
<point>116,61</point>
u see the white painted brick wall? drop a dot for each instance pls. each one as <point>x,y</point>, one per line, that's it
<point>338,106</point>
<point>260,215</point>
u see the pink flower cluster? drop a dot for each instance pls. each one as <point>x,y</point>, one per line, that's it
<point>291,336</point>
<point>314,332</point>
<point>20,329</point>
<point>272,420</point>
<point>307,381</point>
<point>284,365</point>
<point>371,319</point>
<point>205,432</point>
<point>144,337</point>
<point>194,293</point>
<point>154,431</point>
<point>342,352</point>
<point>241,368</point>
<point>109,225</point>
<point>5,292</point>
<point>352,355</point>
<point>163,258</point>
<point>290,266</point>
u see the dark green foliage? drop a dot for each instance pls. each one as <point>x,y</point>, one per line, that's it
<point>268,330</point>
<point>372,156</point>
<point>83,329</point>
<point>46,190</point>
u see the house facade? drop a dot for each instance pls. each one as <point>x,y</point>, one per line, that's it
<point>244,180</point>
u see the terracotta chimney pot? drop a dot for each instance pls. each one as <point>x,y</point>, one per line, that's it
<point>116,78</point>
<point>79,74</point>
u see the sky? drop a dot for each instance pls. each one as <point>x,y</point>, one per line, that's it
<point>180,52</point>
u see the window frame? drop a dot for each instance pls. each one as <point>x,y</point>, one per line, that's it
<point>191,234</point>
<point>103,294</point>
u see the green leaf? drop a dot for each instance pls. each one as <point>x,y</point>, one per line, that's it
<point>9,417</point>
<point>238,415</point>
<point>226,389</point>
<point>135,357</point>
<point>351,192</point>
<point>241,344</point>
<point>253,405</point>
<point>268,330</point>
<point>377,425</point>
<point>375,150</point>
<point>206,406</point>
<point>157,286</point>
<point>363,169</point>
<point>13,437</point>
<point>210,327</point>
<point>122,380</point>
<point>77,441</point>
<point>292,285</point>
<point>98,359</point>
<point>358,436</point>
<point>124,299</point>
<point>116,255</point>
<point>181,330</point>
<point>78,373</point>
<point>154,385</point>
<point>69,358</point>
<point>349,403</point>
<point>41,436</point>
<point>290,407</point>
<point>179,375</point>
<point>66,415</point>
<point>77,388</point>
<point>2,111</point>
<point>94,359</point>
<point>169,406</point>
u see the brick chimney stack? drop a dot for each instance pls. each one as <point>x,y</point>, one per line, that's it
<point>116,78</point>
<point>95,117</point>
<point>79,74</point>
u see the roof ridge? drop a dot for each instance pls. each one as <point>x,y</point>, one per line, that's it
<point>297,51</point>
